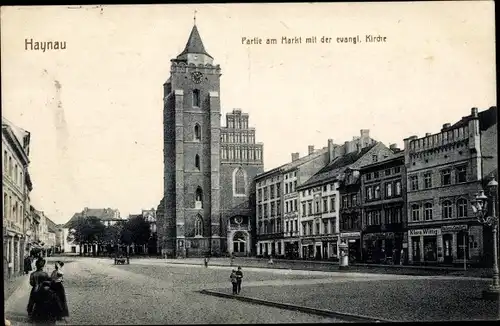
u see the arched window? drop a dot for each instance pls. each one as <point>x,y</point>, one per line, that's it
<point>398,188</point>
<point>447,211</point>
<point>239,181</point>
<point>197,161</point>
<point>14,211</point>
<point>415,212</point>
<point>10,166</point>
<point>198,198</point>
<point>197,132</point>
<point>428,211</point>
<point>196,97</point>
<point>198,226</point>
<point>462,208</point>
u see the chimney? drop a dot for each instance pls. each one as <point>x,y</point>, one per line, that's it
<point>446,126</point>
<point>474,112</point>
<point>331,150</point>
<point>310,149</point>
<point>295,156</point>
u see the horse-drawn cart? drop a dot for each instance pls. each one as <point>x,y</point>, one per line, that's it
<point>120,260</point>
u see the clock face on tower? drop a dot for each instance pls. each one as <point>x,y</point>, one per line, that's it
<point>196,77</point>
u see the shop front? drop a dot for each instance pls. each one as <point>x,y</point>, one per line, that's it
<point>353,241</point>
<point>382,247</point>
<point>425,246</point>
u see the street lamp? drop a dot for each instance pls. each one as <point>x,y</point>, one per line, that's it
<point>480,208</point>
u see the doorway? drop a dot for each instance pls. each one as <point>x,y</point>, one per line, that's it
<point>239,243</point>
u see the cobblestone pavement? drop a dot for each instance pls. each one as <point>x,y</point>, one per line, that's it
<point>419,299</point>
<point>102,293</point>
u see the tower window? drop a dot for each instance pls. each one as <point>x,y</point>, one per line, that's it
<point>239,182</point>
<point>197,161</point>
<point>198,226</point>
<point>198,198</point>
<point>196,97</point>
<point>197,132</point>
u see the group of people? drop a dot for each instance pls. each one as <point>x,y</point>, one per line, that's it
<point>47,302</point>
<point>236,278</point>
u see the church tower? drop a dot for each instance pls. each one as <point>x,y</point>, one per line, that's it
<point>191,119</point>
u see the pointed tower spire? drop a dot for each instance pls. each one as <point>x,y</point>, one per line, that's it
<point>194,44</point>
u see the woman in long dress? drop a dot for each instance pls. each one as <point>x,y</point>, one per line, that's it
<point>36,279</point>
<point>57,285</point>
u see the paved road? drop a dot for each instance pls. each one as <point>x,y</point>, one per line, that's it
<point>155,293</point>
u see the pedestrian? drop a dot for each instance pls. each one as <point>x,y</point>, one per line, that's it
<point>205,261</point>
<point>36,279</point>
<point>58,287</point>
<point>402,257</point>
<point>234,281</point>
<point>47,307</point>
<point>27,265</point>
<point>239,278</point>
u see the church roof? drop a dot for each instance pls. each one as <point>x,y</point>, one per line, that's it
<point>194,44</point>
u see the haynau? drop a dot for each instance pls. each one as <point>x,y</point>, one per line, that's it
<point>29,44</point>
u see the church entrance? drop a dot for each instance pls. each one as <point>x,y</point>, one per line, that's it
<point>240,244</point>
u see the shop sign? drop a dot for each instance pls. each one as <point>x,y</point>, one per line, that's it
<point>448,228</point>
<point>383,235</point>
<point>350,235</point>
<point>424,232</point>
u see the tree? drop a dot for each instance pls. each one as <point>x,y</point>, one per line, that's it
<point>136,231</point>
<point>86,230</point>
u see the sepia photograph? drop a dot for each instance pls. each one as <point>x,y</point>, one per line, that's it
<point>238,163</point>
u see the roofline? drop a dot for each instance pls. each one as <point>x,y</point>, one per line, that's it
<point>397,156</point>
<point>13,139</point>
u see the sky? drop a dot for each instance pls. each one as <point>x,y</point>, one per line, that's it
<point>94,110</point>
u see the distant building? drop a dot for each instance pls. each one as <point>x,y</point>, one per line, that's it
<point>107,216</point>
<point>444,172</point>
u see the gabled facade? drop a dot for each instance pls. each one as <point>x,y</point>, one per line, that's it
<point>319,196</point>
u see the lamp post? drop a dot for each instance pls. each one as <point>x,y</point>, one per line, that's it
<point>480,208</point>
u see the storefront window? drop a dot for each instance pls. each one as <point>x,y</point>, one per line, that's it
<point>416,249</point>
<point>430,249</point>
<point>462,245</point>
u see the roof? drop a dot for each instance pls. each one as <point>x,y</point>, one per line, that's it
<point>104,214</point>
<point>337,166</point>
<point>487,118</point>
<point>194,44</point>
<point>12,133</point>
<point>292,165</point>
<point>396,156</point>
<point>53,227</point>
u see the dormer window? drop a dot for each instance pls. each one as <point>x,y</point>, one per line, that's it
<point>196,97</point>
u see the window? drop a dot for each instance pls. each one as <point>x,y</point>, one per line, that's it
<point>197,132</point>
<point>368,176</point>
<point>278,189</point>
<point>4,161</point>
<point>388,172</point>
<point>324,187</point>
<point>325,205</point>
<point>198,198</point>
<point>196,97</point>
<point>304,212</point>
<point>294,185</point>
<point>462,208</point>
<point>10,166</point>
<point>332,186</point>
<point>354,200</point>
<point>369,193</point>
<point>447,209</point>
<point>286,188</point>
<point>197,161</point>
<point>271,190</point>
<point>240,182</point>
<point>377,192</point>
<point>398,188</point>
<point>374,158</point>
<point>15,174</point>
<point>446,177</point>
<point>325,227</point>
<point>427,180</point>
<point>317,227</point>
<point>388,190</point>
<point>344,201</point>
<point>332,204</point>
<point>414,182</point>
<point>5,206</point>
<point>309,208</point>
<point>376,175</point>
<point>286,226</point>
<point>397,169</point>
<point>415,212</point>
<point>428,211</point>
<point>198,226</point>
<point>278,209</point>
<point>461,174</point>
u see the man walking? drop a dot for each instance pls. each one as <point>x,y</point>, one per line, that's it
<point>239,278</point>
